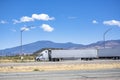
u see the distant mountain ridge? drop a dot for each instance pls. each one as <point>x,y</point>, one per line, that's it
<point>108,44</point>
<point>32,47</point>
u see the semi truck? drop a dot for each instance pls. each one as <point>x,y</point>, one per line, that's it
<point>83,54</point>
<point>57,55</point>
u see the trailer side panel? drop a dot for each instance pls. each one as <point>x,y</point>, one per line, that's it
<point>109,52</point>
<point>87,53</point>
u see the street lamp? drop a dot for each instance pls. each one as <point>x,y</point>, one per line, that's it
<point>21,43</point>
<point>21,40</point>
<point>21,31</point>
<point>105,34</point>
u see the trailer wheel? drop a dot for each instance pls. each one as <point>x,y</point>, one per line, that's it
<point>52,59</point>
<point>56,59</point>
<point>38,59</point>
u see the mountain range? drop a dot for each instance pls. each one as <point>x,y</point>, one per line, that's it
<point>33,47</point>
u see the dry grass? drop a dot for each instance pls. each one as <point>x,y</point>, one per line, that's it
<point>54,67</point>
<point>8,59</point>
<point>12,61</point>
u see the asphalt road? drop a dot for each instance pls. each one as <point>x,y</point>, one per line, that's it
<point>110,74</point>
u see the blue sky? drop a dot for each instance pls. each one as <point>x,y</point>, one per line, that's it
<point>77,21</point>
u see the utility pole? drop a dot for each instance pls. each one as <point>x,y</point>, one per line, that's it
<point>21,51</point>
<point>21,35</point>
<point>21,40</point>
<point>105,35</point>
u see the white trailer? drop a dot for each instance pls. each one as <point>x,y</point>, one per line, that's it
<point>83,54</point>
<point>56,55</point>
<point>109,53</point>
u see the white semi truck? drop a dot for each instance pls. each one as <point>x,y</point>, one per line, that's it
<point>57,55</point>
<point>83,54</point>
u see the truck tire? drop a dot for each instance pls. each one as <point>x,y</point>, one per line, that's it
<point>38,59</point>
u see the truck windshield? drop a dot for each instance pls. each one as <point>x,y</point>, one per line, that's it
<point>41,54</point>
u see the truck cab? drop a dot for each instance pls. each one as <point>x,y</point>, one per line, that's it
<point>43,56</point>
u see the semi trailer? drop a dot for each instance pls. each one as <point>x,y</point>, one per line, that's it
<point>109,53</point>
<point>83,54</point>
<point>57,55</point>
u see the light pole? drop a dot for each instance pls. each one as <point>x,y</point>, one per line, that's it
<point>21,40</point>
<point>21,44</point>
<point>21,31</point>
<point>105,34</point>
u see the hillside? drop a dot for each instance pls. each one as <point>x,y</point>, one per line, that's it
<point>108,44</point>
<point>32,47</point>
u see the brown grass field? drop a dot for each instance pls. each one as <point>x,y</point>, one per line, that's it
<point>50,66</point>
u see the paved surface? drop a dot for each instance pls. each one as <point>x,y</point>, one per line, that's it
<point>113,74</point>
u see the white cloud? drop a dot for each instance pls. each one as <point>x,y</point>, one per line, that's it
<point>47,28</point>
<point>112,23</point>
<point>94,22</point>
<point>25,29</point>
<point>43,17</point>
<point>26,19</point>
<point>3,22</point>
<point>15,21</point>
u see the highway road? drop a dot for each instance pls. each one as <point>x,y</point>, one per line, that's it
<point>109,74</point>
